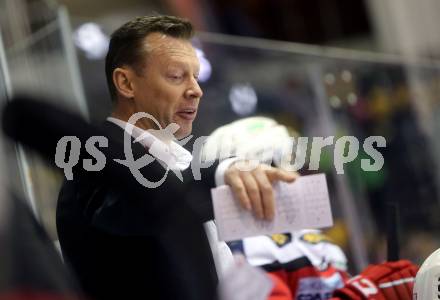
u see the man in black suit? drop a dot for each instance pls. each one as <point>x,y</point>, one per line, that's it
<point>125,241</point>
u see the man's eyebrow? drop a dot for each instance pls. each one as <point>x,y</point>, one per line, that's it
<point>185,65</point>
<point>177,64</point>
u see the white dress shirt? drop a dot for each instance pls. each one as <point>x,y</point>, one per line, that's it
<point>172,154</point>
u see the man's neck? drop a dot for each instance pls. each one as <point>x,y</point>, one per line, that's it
<point>142,125</point>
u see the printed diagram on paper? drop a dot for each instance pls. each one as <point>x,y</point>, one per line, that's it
<point>302,204</point>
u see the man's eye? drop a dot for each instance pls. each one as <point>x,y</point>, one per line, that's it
<point>175,77</point>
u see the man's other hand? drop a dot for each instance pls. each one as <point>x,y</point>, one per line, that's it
<point>253,188</point>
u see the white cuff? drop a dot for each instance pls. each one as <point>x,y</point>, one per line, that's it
<point>221,169</point>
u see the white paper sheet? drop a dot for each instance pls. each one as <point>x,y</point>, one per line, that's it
<point>299,205</point>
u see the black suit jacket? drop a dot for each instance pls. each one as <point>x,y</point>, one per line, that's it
<point>125,241</point>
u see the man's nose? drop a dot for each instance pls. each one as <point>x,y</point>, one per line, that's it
<point>194,90</point>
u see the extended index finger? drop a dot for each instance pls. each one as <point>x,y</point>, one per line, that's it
<point>275,174</point>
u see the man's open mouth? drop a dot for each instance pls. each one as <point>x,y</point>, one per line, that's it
<point>187,114</point>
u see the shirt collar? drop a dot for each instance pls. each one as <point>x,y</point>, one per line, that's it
<point>173,155</point>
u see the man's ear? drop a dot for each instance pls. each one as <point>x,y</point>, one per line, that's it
<point>122,79</point>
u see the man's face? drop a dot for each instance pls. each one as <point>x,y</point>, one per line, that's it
<point>167,87</point>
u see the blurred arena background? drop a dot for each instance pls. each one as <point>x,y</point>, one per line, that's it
<point>322,68</point>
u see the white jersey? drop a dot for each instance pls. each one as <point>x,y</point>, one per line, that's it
<point>286,248</point>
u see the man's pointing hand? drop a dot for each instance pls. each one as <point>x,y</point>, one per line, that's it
<point>253,188</point>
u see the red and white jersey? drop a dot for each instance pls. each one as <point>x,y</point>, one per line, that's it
<point>391,280</point>
<point>307,261</point>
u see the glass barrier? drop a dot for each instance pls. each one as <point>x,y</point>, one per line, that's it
<point>314,91</point>
<point>39,59</point>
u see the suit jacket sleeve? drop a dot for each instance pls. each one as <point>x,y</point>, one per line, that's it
<point>117,203</point>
